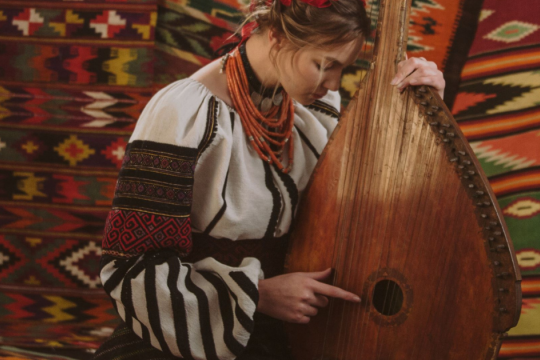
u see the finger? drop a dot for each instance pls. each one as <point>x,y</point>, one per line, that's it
<point>423,77</point>
<point>319,275</point>
<point>412,66</point>
<point>405,70</point>
<point>427,80</point>
<point>319,301</point>
<point>435,82</point>
<point>302,320</point>
<point>335,292</point>
<point>310,311</point>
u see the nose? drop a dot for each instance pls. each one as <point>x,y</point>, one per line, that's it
<point>333,82</point>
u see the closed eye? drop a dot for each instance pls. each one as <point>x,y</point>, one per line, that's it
<point>329,66</point>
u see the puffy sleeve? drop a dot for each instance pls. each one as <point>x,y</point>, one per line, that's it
<point>202,310</point>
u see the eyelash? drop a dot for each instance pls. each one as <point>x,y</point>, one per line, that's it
<point>326,68</point>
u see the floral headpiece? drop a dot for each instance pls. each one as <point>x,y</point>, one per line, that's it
<point>317,3</point>
<point>248,29</point>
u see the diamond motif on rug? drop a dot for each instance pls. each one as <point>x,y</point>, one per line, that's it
<point>528,259</point>
<point>512,31</point>
<point>81,264</point>
<point>74,150</point>
<point>522,208</point>
<point>30,146</point>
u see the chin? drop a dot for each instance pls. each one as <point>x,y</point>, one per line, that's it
<point>305,100</point>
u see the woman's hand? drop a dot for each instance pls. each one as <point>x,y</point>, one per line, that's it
<point>419,71</point>
<point>296,297</point>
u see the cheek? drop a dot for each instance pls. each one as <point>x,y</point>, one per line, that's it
<point>309,77</point>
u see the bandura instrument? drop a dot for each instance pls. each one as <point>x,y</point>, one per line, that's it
<point>400,208</point>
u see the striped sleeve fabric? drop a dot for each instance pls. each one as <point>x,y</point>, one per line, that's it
<point>194,311</point>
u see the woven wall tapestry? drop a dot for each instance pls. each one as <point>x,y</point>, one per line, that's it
<point>74,77</point>
<point>498,110</point>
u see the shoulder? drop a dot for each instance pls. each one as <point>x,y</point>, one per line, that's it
<point>214,80</point>
<point>179,114</point>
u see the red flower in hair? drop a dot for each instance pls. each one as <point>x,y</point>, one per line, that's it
<point>317,3</point>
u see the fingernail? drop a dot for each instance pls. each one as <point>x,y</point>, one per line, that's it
<point>357,299</point>
<point>394,81</point>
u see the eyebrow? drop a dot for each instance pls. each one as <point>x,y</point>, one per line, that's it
<point>331,59</point>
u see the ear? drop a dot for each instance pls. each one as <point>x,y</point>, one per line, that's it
<point>274,39</point>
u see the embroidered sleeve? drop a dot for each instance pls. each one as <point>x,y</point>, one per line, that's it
<point>152,201</point>
<point>195,311</point>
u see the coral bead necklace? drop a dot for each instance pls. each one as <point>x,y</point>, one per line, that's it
<point>269,129</point>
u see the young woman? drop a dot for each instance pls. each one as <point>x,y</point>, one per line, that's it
<point>194,245</point>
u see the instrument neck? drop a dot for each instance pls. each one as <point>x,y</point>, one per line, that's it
<point>392,30</point>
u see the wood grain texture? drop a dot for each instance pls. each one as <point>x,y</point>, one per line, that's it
<point>399,195</point>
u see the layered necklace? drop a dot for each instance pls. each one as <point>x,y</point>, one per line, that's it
<point>267,117</point>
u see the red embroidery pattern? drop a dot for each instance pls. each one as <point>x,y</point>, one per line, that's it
<point>131,233</point>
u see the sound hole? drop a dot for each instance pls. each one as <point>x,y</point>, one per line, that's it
<point>387,297</point>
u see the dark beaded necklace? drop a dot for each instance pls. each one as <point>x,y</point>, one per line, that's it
<point>263,98</point>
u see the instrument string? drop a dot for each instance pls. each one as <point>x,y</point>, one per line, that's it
<point>449,251</point>
<point>348,260</point>
<point>365,137</point>
<point>432,229</point>
<point>391,191</point>
<point>406,147</point>
<point>374,233</point>
<point>359,203</point>
<point>406,179</point>
<point>339,235</point>
<point>358,136</point>
<point>391,198</point>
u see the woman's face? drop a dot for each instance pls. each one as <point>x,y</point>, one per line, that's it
<point>308,74</point>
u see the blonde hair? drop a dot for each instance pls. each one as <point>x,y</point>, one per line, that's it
<point>306,25</point>
<point>303,25</point>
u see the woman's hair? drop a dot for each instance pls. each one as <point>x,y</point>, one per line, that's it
<point>307,25</point>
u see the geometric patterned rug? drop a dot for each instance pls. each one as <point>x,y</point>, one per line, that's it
<point>498,109</point>
<point>73,81</point>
